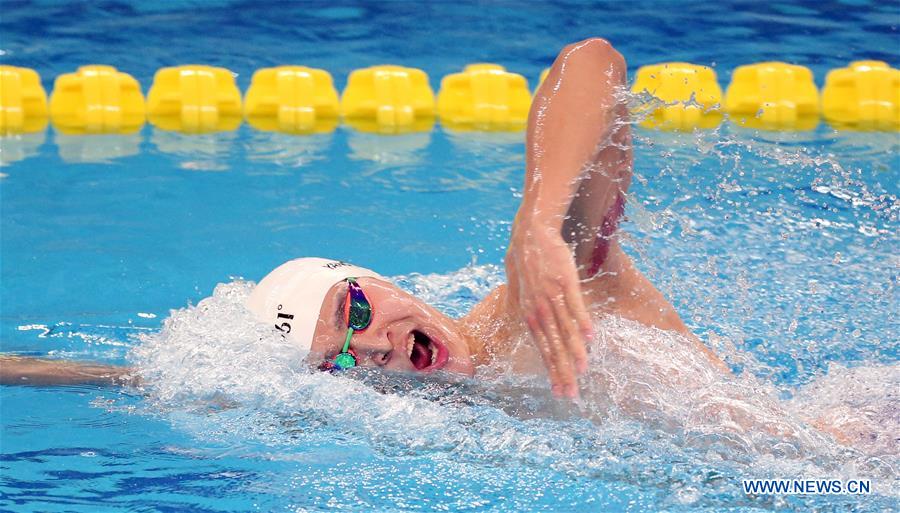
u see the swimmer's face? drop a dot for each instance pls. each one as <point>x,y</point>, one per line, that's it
<point>405,334</point>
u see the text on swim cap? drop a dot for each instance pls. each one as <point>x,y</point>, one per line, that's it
<point>336,264</point>
<point>284,326</point>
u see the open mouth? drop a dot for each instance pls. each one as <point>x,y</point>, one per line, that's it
<point>426,353</point>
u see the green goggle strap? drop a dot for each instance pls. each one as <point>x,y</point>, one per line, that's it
<point>347,340</point>
<point>344,359</point>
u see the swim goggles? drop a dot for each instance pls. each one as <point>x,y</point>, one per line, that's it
<point>358,316</point>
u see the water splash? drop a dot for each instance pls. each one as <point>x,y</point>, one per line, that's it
<point>788,234</point>
<point>654,412</point>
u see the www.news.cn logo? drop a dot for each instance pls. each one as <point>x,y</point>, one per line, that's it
<point>806,487</point>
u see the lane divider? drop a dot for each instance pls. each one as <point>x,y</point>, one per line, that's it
<point>292,99</point>
<point>97,100</point>
<point>484,97</point>
<point>23,102</point>
<point>690,96</point>
<point>393,99</point>
<point>194,99</point>
<point>388,99</point>
<point>863,96</point>
<point>773,96</point>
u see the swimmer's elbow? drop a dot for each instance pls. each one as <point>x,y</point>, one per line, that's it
<point>595,51</point>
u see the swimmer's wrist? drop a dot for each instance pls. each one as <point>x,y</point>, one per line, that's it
<point>544,216</point>
<point>547,202</point>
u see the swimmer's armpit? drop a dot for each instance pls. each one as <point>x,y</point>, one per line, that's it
<point>19,370</point>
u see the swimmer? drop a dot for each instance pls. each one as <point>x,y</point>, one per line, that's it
<point>566,271</point>
<point>564,264</point>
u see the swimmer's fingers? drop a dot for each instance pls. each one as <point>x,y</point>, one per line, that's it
<point>571,335</point>
<point>546,353</point>
<point>574,314</point>
<point>561,369</point>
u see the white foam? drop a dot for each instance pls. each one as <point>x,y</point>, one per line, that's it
<point>649,397</point>
<point>861,405</point>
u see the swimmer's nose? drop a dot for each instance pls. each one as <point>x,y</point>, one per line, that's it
<point>374,347</point>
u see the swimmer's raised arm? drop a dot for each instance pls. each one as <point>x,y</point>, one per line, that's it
<point>20,370</point>
<point>573,113</point>
<point>563,260</point>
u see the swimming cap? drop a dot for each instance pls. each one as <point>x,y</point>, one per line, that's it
<point>291,296</point>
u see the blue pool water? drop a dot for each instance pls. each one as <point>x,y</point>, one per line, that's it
<point>780,249</point>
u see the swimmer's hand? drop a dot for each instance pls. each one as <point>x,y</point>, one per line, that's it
<point>545,293</point>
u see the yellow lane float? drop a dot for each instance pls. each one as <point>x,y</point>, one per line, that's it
<point>292,99</point>
<point>863,96</point>
<point>690,94</point>
<point>484,97</point>
<point>23,114</point>
<point>97,99</point>
<point>773,96</point>
<point>388,99</point>
<point>394,99</point>
<point>23,102</point>
<point>194,99</point>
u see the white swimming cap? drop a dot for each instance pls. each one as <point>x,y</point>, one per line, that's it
<point>291,296</point>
